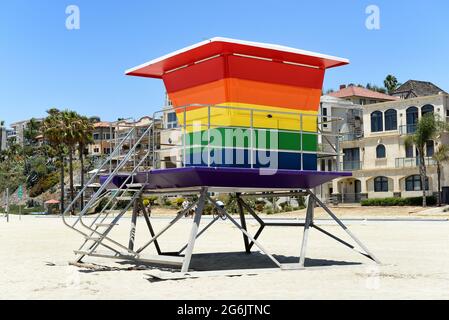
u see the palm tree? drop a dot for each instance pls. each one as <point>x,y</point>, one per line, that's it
<point>54,132</point>
<point>2,123</point>
<point>428,129</point>
<point>84,138</point>
<point>391,83</point>
<point>440,156</point>
<point>32,130</point>
<point>72,126</point>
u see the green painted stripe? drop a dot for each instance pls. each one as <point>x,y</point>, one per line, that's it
<point>264,139</point>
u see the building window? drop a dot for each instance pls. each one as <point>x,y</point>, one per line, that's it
<point>96,136</point>
<point>96,150</point>
<point>323,165</point>
<point>413,183</point>
<point>172,120</point>
<point>329,165</point>
<point>430,148</point>
<point>106,136</point>
<point>351,159</point>
<point>381,152</point>
<point>376,122</point>
<point>325,118</point>
<point>381,184</point>
<point>412,119</point>
<point>391,120</point>
<point>409,151</point>
<point>362,102</point>
<point>427,109</point>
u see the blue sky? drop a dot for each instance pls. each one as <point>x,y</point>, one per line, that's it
<point>45,65</point>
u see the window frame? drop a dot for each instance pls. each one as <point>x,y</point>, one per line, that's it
<point>377,124</point>
<point>381,184</point>
<point>391,115</point>
<point>415,180</point>
<point>378,149</point>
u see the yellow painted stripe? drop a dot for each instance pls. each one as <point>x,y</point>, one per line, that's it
<point>263,117</point>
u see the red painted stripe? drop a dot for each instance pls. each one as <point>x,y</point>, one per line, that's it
<point>243,68</point>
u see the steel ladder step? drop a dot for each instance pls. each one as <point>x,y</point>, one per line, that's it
<point>162,260</point>
<point>124,190</point>
<point>106,224</point>
<point>124,198</point>
<point>92,238</point>
<point>134,185</point>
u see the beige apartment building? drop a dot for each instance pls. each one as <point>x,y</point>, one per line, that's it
<point>382,165</point>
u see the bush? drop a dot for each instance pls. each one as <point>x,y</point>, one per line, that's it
<point>179,202</point>
<point>260,207</point>
<point>102,204</point>
<point>44,184</point>
<point>396,202</point>
<point>151,200</point>
<point>167,202</point>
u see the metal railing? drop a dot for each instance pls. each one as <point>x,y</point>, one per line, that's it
<point>89,230</point>
<point>346,137</point>
<point>408,129</point>
<point>352,165</point>
<point>348,198</point>
<point>248,122</point>
<point>413,162</point>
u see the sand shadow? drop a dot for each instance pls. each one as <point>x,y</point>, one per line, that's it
<point>223,261</point>
<point>255,260</point>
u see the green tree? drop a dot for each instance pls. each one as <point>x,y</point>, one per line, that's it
<point>84,138</point>
<point>2,123</point>
<point>54,132</point>
<point>391,83</point>
<point>32,130</point>
<point>428,129</point>
<point>71,124</point>
<point>440,156</point>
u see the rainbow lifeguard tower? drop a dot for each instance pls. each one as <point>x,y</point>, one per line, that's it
<point>248,124</point>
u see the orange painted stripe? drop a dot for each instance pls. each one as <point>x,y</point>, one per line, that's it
<point>249,92</point>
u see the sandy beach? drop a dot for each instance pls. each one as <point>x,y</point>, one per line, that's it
<point>35,251</point>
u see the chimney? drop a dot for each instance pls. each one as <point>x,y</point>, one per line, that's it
<point>342,86</point>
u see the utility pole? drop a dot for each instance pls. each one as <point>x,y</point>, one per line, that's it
<point>7,205</point>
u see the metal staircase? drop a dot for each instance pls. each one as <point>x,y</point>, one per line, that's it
<point>96,231</point>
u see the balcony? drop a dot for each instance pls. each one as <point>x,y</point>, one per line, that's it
<point>346,137</point>
<point>408,129</point>
<point>352,165</point>
<point>413,162</point>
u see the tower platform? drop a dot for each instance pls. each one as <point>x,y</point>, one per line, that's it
<point>229,179</point>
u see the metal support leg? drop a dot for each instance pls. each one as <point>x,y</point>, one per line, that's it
<point>150,228</point>
<point>194,232</point>
<point>243,223</point>
<point>200,233</point>
<point>245,232</point>
<point>345,228</point>
<point>132,233</point>
<point>256,236</point>
<point>160,233</point>
<point>309,222</point>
